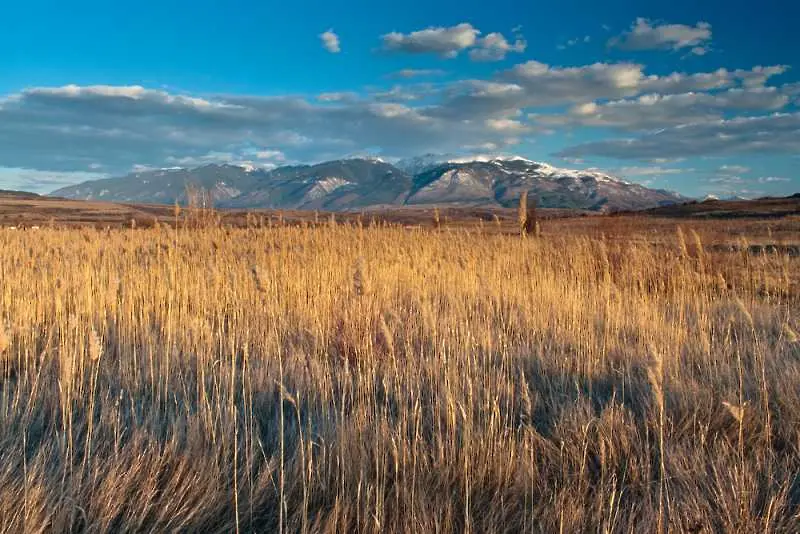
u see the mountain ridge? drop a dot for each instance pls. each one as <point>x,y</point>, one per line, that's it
<point>357,183</point>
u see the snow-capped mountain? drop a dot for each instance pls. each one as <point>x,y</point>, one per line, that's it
<point>368,182</point>
<point>426,162</point>
<point>502,181</point>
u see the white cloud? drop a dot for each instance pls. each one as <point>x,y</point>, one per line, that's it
<point>734,169</point>
<point>505,125</point>
<point>394,110</point>
<point>257,158</point>
<point>344,96</point>
<point>644,35</point>
<point>447,42</point>
<point>778,133</point>
<point>647,171</point>
<point>400,93</point>
<point>38,181</point>
<point>657,111</point>
<point>494,47</point>
<point>330,41</point>
<point>726,179</point>
<point>416,73</point>
<point>772,179</point>
<point>576,41</point>
<point>553,85</point>
<point>548,85</point>
<point>122,93</point>
<point>276,155</point>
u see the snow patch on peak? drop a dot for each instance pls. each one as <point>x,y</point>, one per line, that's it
<point>598,176</point>
<point>225,191</point>
<point>372,159</point>
<point>324,186</point>
<point>516,158</point>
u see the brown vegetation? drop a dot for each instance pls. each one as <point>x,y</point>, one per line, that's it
<point>351,377</point>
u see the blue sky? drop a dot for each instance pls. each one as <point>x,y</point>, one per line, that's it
<point>701,98</point>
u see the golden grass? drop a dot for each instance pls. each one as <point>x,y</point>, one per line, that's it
<point>357,378</point>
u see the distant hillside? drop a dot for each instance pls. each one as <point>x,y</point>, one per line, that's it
<point>712,208</point>
<point>18,195</point>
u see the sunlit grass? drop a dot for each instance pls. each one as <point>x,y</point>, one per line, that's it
<point>369,378</point>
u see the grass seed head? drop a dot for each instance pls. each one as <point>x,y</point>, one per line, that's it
<point>359,278</point>
<point>790,335</point>
<point>735,410</point>
<point>4,342</point>
<point>95,346</point>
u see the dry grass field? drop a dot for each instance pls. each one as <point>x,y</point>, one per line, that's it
<point>613,375</point>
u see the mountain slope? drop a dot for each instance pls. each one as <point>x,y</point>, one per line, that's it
<point>165,186</point>
<point>359,183</point>
<point>333,185</point>
<point>502,181</point>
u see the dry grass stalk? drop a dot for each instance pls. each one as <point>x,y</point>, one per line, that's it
<point>736,411</point>
<point>359,278</point>
<point>790,335</point>
<point>4,341</point>
<point>527,216</point>
<point>6,363</point>
<point>655,374</point>
<point>259,279</point>
<point>522,214</point>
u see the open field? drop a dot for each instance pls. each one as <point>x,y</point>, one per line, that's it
<point>25,210</point>
<point>614,375</point>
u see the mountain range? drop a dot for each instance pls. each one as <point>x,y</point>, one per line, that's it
<point>358,183</point>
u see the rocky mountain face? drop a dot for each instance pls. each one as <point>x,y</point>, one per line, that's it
<point>359,183</point>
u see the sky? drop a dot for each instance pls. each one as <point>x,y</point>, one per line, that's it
<point>696,97</point>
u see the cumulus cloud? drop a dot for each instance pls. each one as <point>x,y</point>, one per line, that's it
<point>778,133</point>
<point>447,42</point>
<point>657,111</point>
<point>330,41</point>
<point>546,85</point>
<point>645,35</point>
<point>251,157</point>
<point>400,93</point>
<point>494,47</point>
<point>552,85</point>
<point>506,125</point>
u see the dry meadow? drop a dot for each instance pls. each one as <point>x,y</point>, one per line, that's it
<point>376,378</point>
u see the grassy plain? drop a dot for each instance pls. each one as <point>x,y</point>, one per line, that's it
<point>614,375</point>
